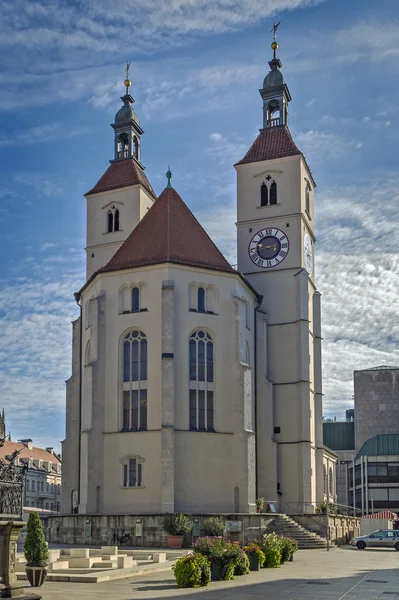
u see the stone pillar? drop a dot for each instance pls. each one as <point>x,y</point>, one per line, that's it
<point>168,398</point>
<point>9,531</point>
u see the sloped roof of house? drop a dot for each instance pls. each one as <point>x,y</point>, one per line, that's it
<point>168,232</point>
<point>35,454</point>
<point>381,445</point>
<point>122,173</point>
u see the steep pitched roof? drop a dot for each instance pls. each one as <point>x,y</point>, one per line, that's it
<point>271,143</point>
<point>122,173</point>
<point>169,232</point>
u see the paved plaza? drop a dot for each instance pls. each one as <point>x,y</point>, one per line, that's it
<point>342,574</point>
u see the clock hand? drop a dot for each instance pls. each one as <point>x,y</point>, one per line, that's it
<point>273,247</point>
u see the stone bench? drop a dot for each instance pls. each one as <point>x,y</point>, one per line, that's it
<point>59,564</point>
<point>124,562</point>
<point>106,550</point>
<point>79,553</point>
<point>159,557</point>
<point>83,563</point>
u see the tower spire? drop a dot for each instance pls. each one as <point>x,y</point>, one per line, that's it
<point>127,126</point>
<point>275,93</point>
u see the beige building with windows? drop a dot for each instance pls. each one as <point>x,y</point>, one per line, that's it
<point>42,489</point>
<point>196,386</point>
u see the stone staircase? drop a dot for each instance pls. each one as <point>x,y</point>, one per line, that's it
<point>284,525</point>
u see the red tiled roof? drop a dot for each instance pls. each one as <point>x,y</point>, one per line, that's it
<point>169,232</point>
<point>271,143</point>
<point>122,173</point>
<point>35,453</point>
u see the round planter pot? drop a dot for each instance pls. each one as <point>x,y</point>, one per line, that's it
<point>175,541</point>
<point>36,573</point>
<point>253,562</point>
<point>216,571</point>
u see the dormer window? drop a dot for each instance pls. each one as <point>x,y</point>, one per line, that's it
<point>113,219</point>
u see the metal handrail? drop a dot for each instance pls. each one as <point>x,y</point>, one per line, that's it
<point>310,508</point>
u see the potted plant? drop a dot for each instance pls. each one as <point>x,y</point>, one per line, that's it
<point>193,570</point>
<point>270,545</point>
<point>259,502</point>
<point>255,555</point>
<point>214,527</point>
<point>176,526</point>
<point>36,551</point>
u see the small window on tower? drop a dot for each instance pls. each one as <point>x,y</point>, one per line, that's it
<point>135,299</point>
<point>201,299</point>
<point>273,193</point>
<point>135,148</point>
<point>307,199</point>
<point>113,219</point>
<point>264,195</point>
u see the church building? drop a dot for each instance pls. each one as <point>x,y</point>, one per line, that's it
<point>196,386</point>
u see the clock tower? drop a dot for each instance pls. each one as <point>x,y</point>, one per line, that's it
<point>276,239</point>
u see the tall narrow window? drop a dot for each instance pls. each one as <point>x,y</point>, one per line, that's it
<point>330,481</point>
<point>135,299</point>
<point>134,410</point>
<point>325,479</point>
<point>264,195</point>
<point>201,382</point>
<point>201,299</point>
<point>135,148</point>
<point>307,199</point>
<point>273,193</point>
<point>113,219</point>
<point>132,473</point>
<point>110,221</point>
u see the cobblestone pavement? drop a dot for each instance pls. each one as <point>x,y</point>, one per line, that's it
<point>342,574</point>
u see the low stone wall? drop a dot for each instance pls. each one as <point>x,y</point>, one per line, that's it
<point>145,530</point>
<point>342,529</point>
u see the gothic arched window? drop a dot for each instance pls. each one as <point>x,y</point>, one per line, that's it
<point>201,381</point>
<point>135,299</point>
<point>273,193</point>
<point>134,381</point>
<point>264,195</point>
<point>113,219</point>
<point>201,299</point>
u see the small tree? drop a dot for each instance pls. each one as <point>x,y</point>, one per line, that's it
<point>35,548</point>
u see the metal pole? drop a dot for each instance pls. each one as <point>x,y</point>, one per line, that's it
<point>372,504</point>
<point>328,509</point>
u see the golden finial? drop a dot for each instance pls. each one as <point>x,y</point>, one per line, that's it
<point>127,82</point>
<point>274,42</point>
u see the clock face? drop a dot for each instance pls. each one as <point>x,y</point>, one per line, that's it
<point>268,247</point>
<point>308,253</point>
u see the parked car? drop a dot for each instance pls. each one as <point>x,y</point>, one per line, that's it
<point>383,538</point>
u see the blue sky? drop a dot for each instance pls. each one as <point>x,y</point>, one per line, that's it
<point>196,69</point>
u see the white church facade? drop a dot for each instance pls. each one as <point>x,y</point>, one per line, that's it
<point>196,386</point>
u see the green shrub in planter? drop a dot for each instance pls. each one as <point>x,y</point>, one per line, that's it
<point>228,571</point>
<point>215,526</point>
<point>253,548</point>
<point>35,547</point>
<point>285,548</point>
<point>177,524</point>
<point>273,558</point>
<point>242,566</point>
<point>192,571</point>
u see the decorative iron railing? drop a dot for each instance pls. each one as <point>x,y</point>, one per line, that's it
<point>11,489</point>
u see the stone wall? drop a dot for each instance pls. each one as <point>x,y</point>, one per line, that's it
<point>145,530</point>
<point>342,529</point>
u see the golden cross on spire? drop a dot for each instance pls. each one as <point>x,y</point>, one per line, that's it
<point>274,42</point>
<point>127,82</point>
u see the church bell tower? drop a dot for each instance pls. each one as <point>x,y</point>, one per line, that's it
<point>123,195</point>
<point>276,239</point>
